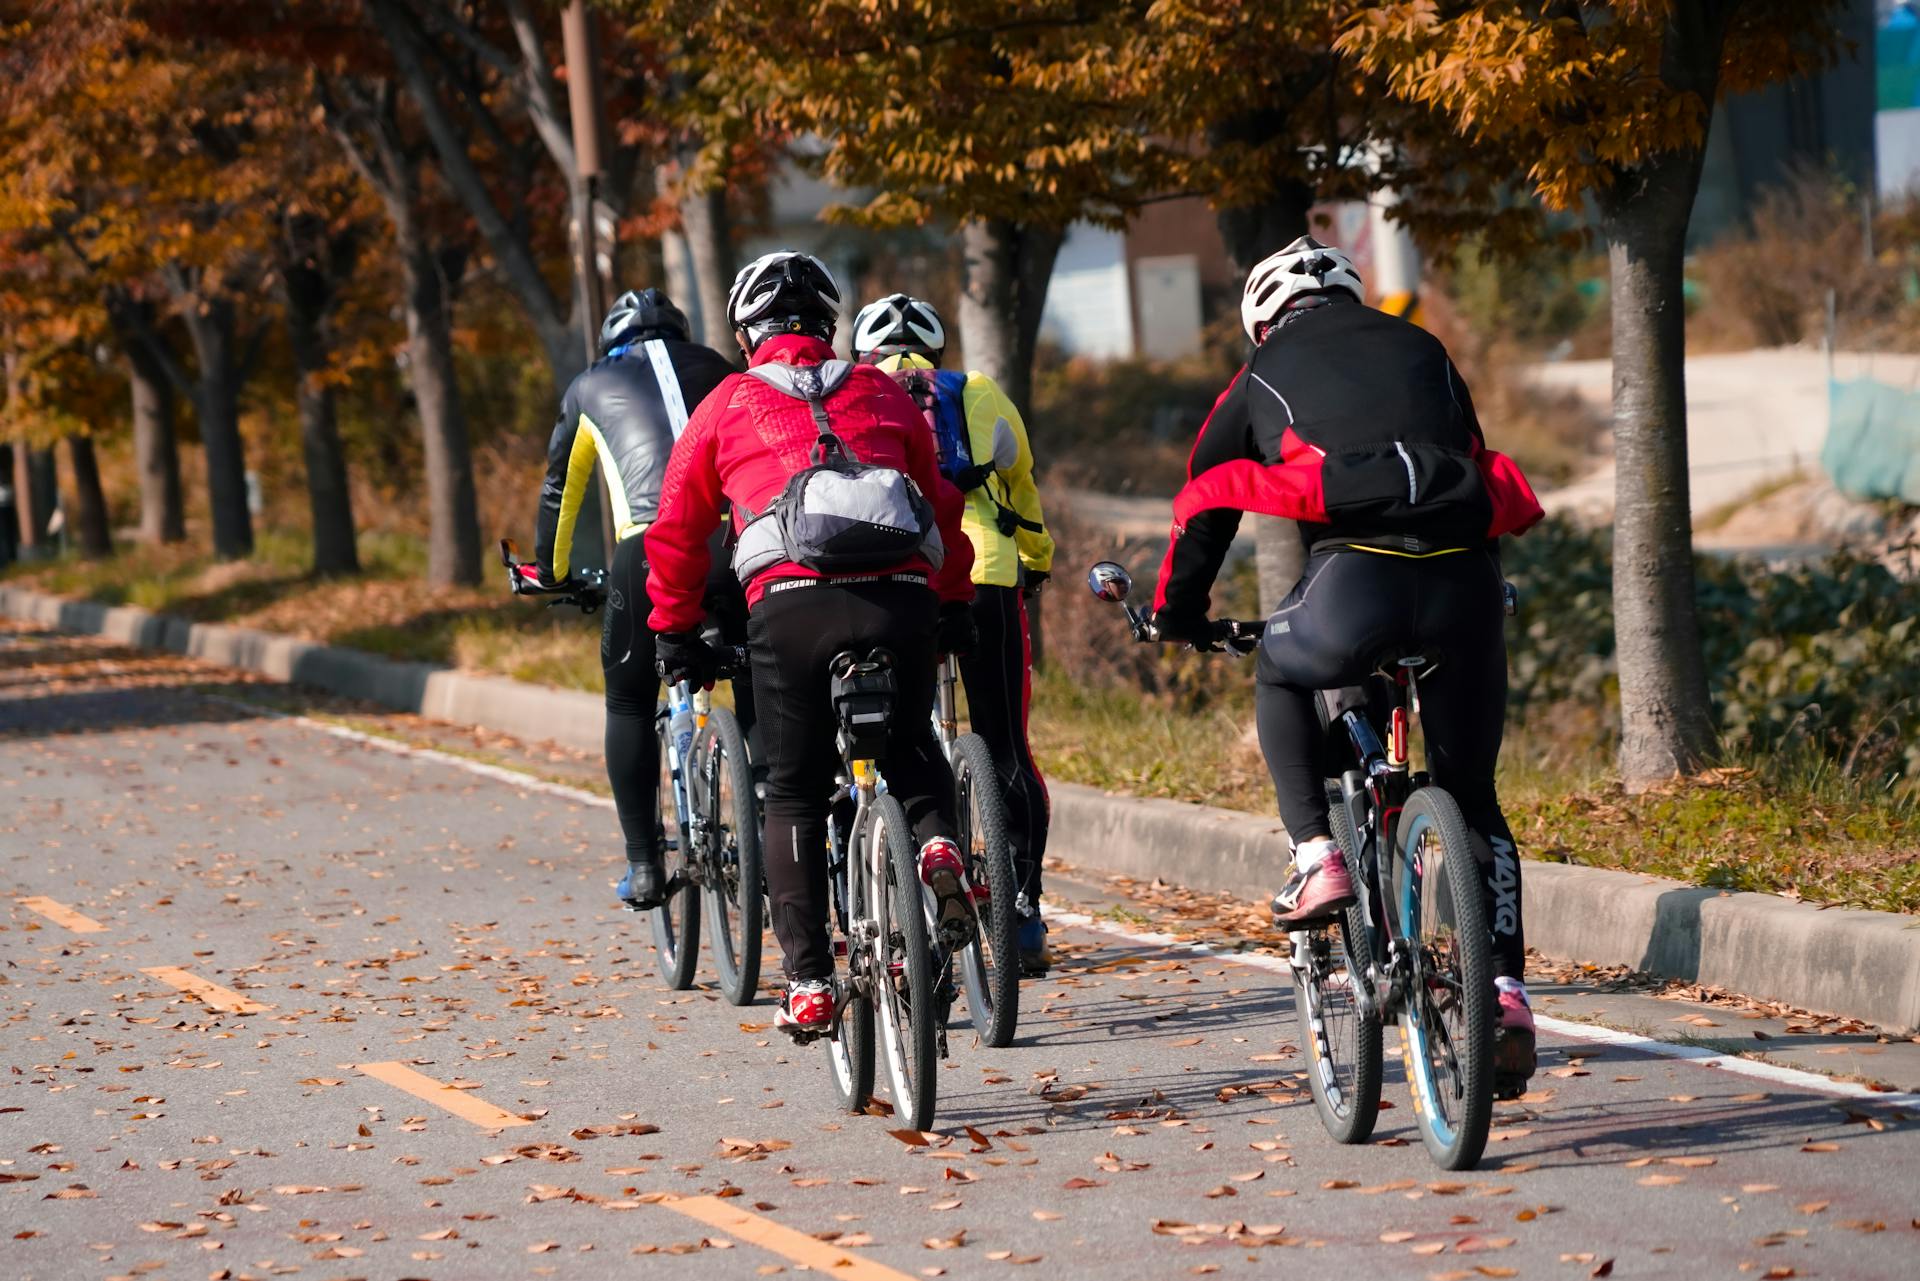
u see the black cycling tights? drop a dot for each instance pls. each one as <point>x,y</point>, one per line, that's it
<point>1353,609</point>
<point>794,636</point>
<point>633,688</point>
<point>999,680</point>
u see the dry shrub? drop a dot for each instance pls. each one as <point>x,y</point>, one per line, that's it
<point>1768,287</point>
<point>1085,637</point>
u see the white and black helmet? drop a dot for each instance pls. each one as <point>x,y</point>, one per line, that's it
<point>899,323</point>
<point>1304,267</point>
<point>783,292</point>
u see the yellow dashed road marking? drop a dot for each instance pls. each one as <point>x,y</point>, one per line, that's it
<point>224,999</point>
<point>458,1102</point>
<point>825,1259</point>
<point>61,914</point>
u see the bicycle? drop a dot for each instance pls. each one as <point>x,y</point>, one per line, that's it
<point>1415,948</point>
<point>708,832</point>
<point>990,964</point>
<point>881,910</point>
<point>709,838</point>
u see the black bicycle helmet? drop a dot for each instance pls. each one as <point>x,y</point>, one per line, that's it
<point>899,323</point>
<point>635,317</point>
<point>783,292</point>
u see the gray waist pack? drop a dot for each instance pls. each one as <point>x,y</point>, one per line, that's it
<point>840,515</point>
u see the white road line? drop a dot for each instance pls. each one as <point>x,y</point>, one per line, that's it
<point>1794,1078</point>
<point>495,772</point>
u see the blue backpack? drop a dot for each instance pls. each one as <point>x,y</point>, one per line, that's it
<point>939,394</point>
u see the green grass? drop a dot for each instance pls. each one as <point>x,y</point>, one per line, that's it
<point>1791,824</point>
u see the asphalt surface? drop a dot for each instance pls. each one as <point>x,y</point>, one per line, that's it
<point>407,923</point>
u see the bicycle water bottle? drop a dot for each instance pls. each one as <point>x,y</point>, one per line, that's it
<point>680,727</point>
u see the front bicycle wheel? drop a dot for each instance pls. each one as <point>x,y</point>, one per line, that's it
<point>903,965</point>
<point>1446,1029</point>
<point>735,900</point>
<point>850,1049</point>
<point>1343,1043</point>
<point>676,922</point>
<point>990,965</point>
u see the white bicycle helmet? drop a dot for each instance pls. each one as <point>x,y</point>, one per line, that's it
<point>1304,267</point>
<point>783,292</point>
<point>899,323</point>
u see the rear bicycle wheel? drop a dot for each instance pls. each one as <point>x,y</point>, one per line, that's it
<point>676,922</point>
<point>735,900</point>
<point>1343,1044</point>
<point>1447,1026</point>
<point>990,966</point>
<point>903,967</point>
<point>850,1049</point>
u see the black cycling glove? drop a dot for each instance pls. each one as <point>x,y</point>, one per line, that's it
<point>956,632</point>
<point>1036,579</point>
<point>1194,629</point>
<point>685,656</point>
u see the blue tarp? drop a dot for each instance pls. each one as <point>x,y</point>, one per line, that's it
<point>1873,440</point>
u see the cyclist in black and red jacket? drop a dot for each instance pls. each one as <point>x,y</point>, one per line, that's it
<point>1356,424</point>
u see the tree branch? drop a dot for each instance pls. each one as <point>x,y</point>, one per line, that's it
<point>511,252</point>
<point>542,94</point>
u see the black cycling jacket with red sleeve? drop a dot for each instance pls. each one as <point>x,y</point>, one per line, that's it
<point>1354,423</point>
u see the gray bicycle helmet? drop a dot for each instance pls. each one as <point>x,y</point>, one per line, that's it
<point>635,317</point>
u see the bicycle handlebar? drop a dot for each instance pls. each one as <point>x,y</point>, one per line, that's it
<point>586,589</point>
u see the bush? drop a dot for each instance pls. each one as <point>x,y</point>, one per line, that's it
<point>1768,287</point>
<point>1819,657</point>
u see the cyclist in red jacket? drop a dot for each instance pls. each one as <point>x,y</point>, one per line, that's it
<point>1356,424</point>
<point>747,439</point>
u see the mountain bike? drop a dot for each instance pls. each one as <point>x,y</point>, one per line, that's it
<point>880,910</point>
<point>1415,948</point>
<point>990,965</point>
<point>709,828</point>
<point>709,838</point>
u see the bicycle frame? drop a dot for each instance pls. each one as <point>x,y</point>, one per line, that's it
<point>1375,794</point>
<point>946,705</point>
<point>862,783</point>
<point>682,697</point>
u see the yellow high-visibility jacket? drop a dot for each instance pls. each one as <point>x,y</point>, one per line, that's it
<point>997,557</point>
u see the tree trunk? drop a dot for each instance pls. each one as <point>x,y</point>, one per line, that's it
<point>1251,233</point>
<point>709,237</point>
<point>1666,722</point>
<point>308,295</point>
<point>1006,267</point>
<point>156,450</point>
<point>33,496</point>
<point>92,531</point>
<point>453,547</point>
<point>217,399</point>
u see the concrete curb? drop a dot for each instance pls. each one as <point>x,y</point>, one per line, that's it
<point>568,717</point>
<point>1756,944</point>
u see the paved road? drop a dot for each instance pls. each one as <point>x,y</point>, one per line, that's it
<point>380,926</point>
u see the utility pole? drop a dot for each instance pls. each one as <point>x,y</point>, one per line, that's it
<point>586,104</point>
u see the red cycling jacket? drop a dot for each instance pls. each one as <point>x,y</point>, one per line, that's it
<point>1355,424</point>
<point>748,439</point>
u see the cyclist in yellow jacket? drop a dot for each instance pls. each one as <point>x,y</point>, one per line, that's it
<point>985,453</point>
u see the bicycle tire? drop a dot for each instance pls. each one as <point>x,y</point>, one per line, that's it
<point>676,922</point>
<point>1443,914</point>
<point>991,964</point>
<point>850,1049</point>
<point>903,997</point>
<point>735,897</point>
<point>1343,1046</point>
